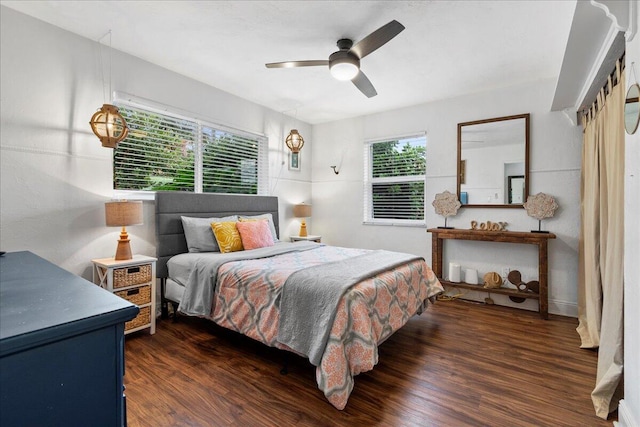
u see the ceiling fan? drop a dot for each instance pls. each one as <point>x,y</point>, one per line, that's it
<point>344,64</point>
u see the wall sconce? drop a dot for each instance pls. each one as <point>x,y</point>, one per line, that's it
<point>303,211</point>
<point>121,214</point>
<point>337,167</point>
<point>109,126</point>
<point>294,141</point>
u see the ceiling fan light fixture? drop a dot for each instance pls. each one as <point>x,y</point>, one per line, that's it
<point>344,65</point>
<point>344,71</point>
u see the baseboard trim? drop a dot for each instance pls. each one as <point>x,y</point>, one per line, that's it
<point>625,416</point>
<point>563,308</point>
<point>559,307</point>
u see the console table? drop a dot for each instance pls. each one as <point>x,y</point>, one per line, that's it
<point>439,235</point>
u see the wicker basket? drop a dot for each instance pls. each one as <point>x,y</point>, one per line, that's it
<point>143,318</point>
<point>129,276</point>
<point>138,296</point>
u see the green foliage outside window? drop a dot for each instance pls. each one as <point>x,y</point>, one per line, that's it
<point>161,153</point>
<point>389,161</point>
<point>397,184</point>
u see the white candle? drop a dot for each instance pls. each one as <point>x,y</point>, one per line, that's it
<point>471,276</point>
<point>454,272</point>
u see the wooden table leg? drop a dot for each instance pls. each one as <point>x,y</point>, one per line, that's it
<point>542,277</point>
<point>436,256</point>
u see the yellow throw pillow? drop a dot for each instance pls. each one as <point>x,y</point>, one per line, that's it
<point>227,236</point>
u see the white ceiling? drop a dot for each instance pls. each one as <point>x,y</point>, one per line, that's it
<point>449,48</point>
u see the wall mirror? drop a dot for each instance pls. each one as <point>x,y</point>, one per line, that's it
<point>632,109</point>
<point>493,162</point>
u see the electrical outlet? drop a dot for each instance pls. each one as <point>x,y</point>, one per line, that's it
<point>505,273</point>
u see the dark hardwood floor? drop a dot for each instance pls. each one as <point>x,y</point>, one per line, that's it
<point>459,364</point>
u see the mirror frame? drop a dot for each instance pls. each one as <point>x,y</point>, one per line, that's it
<point>526,158</point>
<point>627,102</point>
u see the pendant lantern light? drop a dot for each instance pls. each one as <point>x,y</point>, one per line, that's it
<point>107,123</point>
<point>294,141</point>
<point>109,126</point>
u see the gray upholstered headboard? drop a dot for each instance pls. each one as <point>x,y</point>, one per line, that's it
<point>171,205</point>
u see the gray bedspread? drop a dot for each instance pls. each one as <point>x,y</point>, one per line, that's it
<point>310,297</point>
<point>201,282</point>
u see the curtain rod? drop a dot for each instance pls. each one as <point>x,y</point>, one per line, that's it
<point>614,82</point>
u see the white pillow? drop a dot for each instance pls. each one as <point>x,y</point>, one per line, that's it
<point>268,216</point>
<point>199,234</point>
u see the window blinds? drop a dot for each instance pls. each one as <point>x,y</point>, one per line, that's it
<point>175,153</point>
<point>395,181</point>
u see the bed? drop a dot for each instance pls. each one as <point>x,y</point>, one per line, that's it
<point>357,298</point>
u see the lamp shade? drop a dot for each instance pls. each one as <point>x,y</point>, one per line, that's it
<point>109,126</point>
<point>122,213</point>
<point>302,210</point>
<point>294,141</point>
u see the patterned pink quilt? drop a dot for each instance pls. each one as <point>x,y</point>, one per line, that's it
<point>248,292</point>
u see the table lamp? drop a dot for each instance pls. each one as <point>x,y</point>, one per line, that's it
<point>121,214</point>
<point>303,211</point>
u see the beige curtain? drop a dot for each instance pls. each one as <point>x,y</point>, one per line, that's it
<point>601,249</point>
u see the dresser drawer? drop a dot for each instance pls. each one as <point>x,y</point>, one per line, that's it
<point>139,296</point>
<point>143,318</point>
<point>130,276</point>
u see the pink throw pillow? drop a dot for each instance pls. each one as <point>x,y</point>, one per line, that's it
<point>255,234</point>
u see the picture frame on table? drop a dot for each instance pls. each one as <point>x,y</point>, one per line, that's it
<point>464,198</point>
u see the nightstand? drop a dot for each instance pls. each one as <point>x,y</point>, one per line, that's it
<point>134,280</point>
<point>307,238</point>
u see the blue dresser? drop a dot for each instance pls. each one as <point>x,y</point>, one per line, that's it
<point>61,347</point>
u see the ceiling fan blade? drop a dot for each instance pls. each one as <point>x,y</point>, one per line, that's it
<point>293,64</point>
<point>377,39</point>
<point>364,84</point>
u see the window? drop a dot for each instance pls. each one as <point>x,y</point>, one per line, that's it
<point>395,181</point>
<point>175,153</point>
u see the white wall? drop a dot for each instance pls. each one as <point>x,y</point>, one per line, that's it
<point>555,169</point>
<point>55,176</point>
<point>629,410</point>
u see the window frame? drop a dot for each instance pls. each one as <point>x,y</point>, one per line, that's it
<point>262,175</point>
<point>369,182</point>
